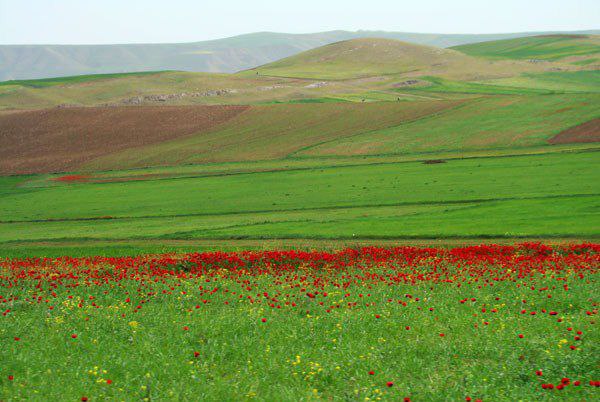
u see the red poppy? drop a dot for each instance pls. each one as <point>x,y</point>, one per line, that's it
<point>389,384</point>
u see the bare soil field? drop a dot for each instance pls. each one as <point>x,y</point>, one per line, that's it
<point>586,132</point>
<point>56,140</point>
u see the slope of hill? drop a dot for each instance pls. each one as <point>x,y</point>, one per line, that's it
<point>122,137</point>
<point>375,57</point>
<point>581,49</point>
<point>484,123</point>
<point>174,88</point>
<point>222,55</point>
<point>63,139</point>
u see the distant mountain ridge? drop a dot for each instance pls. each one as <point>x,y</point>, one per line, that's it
<point>222,55</point>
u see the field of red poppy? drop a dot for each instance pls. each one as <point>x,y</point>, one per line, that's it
<point>489,322</point>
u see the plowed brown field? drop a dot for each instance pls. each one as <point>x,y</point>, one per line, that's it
<point>586,132</point>
<point>56,140</point>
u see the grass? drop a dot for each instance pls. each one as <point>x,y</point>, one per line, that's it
<point>314,172</point>
<point>586,62</point>
<point>440,85</point>
<point>550,47</point>
<point>108,89</point>
<point>398,324</point>
<point>76,79</point>
<point>347,129</point>
<point>491,122</point>
<point>362,58</point>
<point>548,195</point>
<point>552,82</point>
<point>273,132</point>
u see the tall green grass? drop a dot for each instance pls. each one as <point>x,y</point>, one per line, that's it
<point>524,196</point>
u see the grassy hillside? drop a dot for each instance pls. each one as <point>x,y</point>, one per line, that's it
<point>225,55</point>
<point>120,89</point>
<point>547,47</point>
<point>550,82</point>
<point>513,112</point>
<point>63,139</point>
<point>491,122</point>
<point>373,57</point>
<point>75,79</point>
<point>273,132</point>
<point>181,88</point>
<point>357,70</point>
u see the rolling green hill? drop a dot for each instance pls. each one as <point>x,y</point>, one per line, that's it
<point>485,123</point>
<point>274,132</point>
<point>225,55</point>
<point>370,57</point>
<point>577,48</point>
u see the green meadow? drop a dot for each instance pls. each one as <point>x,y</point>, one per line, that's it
<point>530,196</point>
<point>549,47</point>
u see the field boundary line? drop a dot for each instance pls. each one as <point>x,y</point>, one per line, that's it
<point>323,208</point>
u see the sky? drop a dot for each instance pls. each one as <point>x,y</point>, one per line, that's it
<point>167,21</point>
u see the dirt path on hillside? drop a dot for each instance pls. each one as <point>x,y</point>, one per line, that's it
<point>58,140</point>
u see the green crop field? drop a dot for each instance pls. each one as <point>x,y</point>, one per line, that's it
<point>547,195</point>
<point>550,47</point>
<point>551,82</point>
<point>490,122</point>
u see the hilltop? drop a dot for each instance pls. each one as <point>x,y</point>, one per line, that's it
<point>369,57</point>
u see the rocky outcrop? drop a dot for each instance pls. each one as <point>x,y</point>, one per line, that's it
<point>138,100</point>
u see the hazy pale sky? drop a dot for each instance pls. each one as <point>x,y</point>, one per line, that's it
<point>163,21</point>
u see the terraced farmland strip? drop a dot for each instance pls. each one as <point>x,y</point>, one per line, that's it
<point>274,131</point>
<point>62,139</point>
<point>487,123</point>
